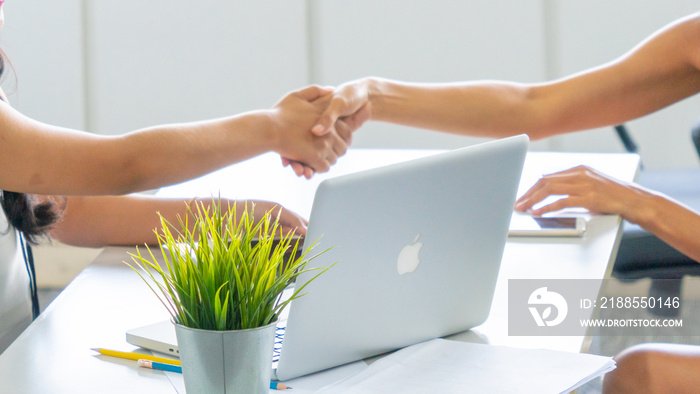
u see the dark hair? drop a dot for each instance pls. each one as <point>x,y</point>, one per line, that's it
<point>31,217</point>
<point>24,212</point>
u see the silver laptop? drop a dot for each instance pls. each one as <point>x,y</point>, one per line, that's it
<point>417,247</point>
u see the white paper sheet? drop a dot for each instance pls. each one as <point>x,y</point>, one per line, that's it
<point>458,367</point>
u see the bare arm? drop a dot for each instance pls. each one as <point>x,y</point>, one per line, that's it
<point>584,187</point>
<point>674,223</point>
<point>661,70</point>
<point>97,221</point>
<point>44,159</point>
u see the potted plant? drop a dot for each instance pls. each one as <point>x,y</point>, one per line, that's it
<point>221,281</point>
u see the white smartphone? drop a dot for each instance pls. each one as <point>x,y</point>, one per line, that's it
<point>522,225</point>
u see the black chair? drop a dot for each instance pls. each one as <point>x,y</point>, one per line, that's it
<point>643,255</point>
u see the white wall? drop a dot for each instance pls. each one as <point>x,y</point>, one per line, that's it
<point>42,39</point>
<point>161,61</point>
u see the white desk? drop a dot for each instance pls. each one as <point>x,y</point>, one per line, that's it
<point>107,298</point>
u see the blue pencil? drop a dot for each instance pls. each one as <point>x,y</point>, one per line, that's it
<point>176,368</point>
<point>160,366</point>
<point>278,386</point>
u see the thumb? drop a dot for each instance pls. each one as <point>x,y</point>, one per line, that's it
<point>328,118</point>
<point>313,92</point>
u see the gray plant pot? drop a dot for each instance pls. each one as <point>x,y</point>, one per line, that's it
<point>238,361</point>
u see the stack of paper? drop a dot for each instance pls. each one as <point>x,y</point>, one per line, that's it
<point>459,367</point>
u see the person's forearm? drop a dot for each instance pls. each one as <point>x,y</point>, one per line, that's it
<point>600,97</point>
<point>115,220</point>
<point>660,71</point>
<point>498,108</point>
<point>98,221</point>
<point>179,152</point>
<point>485,108</point>
<point>671,221</point>
<point>44,159</point>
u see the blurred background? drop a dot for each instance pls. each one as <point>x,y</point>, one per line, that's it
<point>111,67</point>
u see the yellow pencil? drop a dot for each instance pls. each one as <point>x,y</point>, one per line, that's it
<point>136,356</point>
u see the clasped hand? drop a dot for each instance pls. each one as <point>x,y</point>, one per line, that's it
<point>316,126</point>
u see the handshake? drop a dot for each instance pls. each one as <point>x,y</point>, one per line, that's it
<point>313,126</point>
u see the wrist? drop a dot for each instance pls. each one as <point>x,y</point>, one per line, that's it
<point>252,133</point>
<point>644,208</point>
<point>269,129</point>
<point>373,86</point>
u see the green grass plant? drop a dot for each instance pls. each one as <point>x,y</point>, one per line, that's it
<point>226,271</point>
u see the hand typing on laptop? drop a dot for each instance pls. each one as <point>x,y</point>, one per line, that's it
<point>583,187</point>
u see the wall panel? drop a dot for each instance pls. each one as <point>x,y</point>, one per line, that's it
<point>161,61</point>
<point>43,40</point>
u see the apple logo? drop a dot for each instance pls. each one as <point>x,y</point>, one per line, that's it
<point>408,259</point>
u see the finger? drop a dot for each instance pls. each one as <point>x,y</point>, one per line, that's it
<point>533,196</point>
<point>333,144</point>
<point>553,184</point>
<point>309,172</point>
<point>344,131</point>
<point>354,121</point>
<point>302,170</point>
<point>285,162</point>
<point>334,110</point>
<point>551,189</point>
<point>313,92</point>
<point>297,167</point>
<point>322,102</point>
<point>325,157</point>
<point>291,222</point>
<point>339,149</point>
<point>295,225</point>
<point>563,203</point>
<point>299,230</point>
